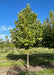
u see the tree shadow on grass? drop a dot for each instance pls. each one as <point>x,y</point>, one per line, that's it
<point>45,60</point>
<point>16,56</point>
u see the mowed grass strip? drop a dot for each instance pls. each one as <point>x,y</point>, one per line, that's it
<point>37,56</point>
<point>39,50</point>
<point>12,63</point>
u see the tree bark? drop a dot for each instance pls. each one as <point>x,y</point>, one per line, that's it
<point>27,60</point>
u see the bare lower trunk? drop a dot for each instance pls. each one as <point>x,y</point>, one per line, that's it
<point>27,60</point>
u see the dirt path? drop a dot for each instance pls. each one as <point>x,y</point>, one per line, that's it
<point>12,70</point>
<point>17,70</point>
<point>5,60</point>
<point>3,70</point>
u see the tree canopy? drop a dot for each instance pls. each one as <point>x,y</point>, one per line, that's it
<point>28,28</point>
<point>48,31</point>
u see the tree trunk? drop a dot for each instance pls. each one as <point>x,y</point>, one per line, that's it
<point>27,60</point>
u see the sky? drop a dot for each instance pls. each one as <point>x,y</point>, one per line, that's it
<point>10,8</point>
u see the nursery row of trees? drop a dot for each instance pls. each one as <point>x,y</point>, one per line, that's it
<point>6,43</point>
<point>30,32</point>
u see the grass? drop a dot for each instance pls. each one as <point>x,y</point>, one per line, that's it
<point>11,63</point>
<point>39,50</point>
<point>45,72</point>
<point>41,55</point>
<point>38,56</point>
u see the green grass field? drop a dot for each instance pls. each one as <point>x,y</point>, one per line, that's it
<point>38,56</point>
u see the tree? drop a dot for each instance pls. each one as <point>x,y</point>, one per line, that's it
<point>7,43</point>
<point>27,30</point>
<point>2,43</point>
<point>48,31</point>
